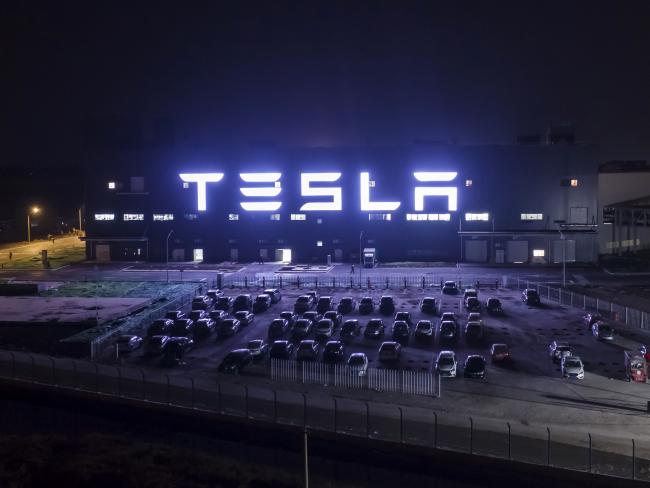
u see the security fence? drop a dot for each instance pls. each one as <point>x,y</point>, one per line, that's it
<point>319,410</point>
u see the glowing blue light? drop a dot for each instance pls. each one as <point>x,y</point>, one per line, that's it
<point>366,204</point>
<point>201,179</point>
<point>451,192</point>
<point>307,191</point>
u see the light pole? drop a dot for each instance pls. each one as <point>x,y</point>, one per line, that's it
<point>33,210</point>
<point>80,219</point>
<point>360,257</point>
<point>563,239</point>
<point>167,254</point>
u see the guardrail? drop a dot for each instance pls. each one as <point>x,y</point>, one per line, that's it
<point>321,411</point>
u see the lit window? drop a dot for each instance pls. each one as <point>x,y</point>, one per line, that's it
<point>233,216</point>
<point>186,184</point>
<point>162,217</point>
<point>191,216</point>
<point>538,253</point>
<point>380,216</point>
<point>432,217</point>
<point>371,183</point>
<point>275,216</point>
<point>129,217</point>
<point>298,217</point>
<point>319,243</point>
<point>574,183</point>
<point>468,183</point>
<point>319,221</point>
<point>477,216</point>
<point>111,185</point>
<point>532,216</point>
<point>104,216</point>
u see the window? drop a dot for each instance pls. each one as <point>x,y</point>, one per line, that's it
<point>532,216</point>
<point>111,185</point>
<point>477,216</point>
<point>275,216</point>
<point>191,216</point>
<point>319,243</point>
<point>298,217</point>
<point>423,217</point>
<point>233,216</point>
<point>538,253</point>
<point>186,184</point>
<point>162,217</point>
<point>468,183</point>
<point>104,216</point>
<point>371,183</point>
<point>130,217</point>
<point>380,216</point>
<point>574,183</point>
<point>319,221</point>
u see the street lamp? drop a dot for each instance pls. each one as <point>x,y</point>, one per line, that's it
<point>360,257</point>
<point>33,210</point>
<point>167,254</point>
<point>563,238</point>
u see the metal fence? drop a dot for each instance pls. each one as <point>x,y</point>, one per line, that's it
<point>340,375</point>
<point>318,410</point>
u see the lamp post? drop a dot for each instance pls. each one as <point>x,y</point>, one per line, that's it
<point>360,257</point>
<point>33,210</point>
<point>563,239</point>
<point>167,254</point>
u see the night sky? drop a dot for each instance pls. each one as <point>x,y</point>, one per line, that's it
<point>322,74</point>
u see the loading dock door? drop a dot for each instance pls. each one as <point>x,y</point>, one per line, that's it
<point>475,251</point>
<point>102,252</point>
<point>517,251</point>
<point>570,251</point>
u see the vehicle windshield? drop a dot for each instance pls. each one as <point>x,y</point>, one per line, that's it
<point>562,348</point>
<point>386,299</point>
<point>445,361</point>
<point>494,302</point>
<point>254,344</point>
<point>428,301</point>
<point>423,326</point>
<point>448,316</point>
<point>324,325</point>
<point>447,328</point>
<point>531,293</point>
<point>500,349</point>
<point>356,361</point>
<point>302,324</point>
<point>286,315</point>
<point>572,363</point>
<point>474,363</point>
<point>388,347</point>
<point>366,300</point>
<point>346,301</point>
<point>605,329</point>
<point>302,299</point>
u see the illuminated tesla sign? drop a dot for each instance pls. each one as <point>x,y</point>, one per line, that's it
<point>265,188</point>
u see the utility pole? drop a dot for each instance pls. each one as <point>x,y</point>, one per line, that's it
<point>167,254</point>
<point>306,460</point>
<point>80,219</point>
<point>563,239</point>
<point>360,257</point>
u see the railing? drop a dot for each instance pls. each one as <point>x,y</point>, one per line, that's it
<point>318,410</point>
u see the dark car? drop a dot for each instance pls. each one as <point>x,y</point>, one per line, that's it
<point>244,317</point>
<point>313,295</point>
<point>350,329</point>
<point>228,327</point>
<point>281,350</point>
<point>324,305</point>
<point>448,331</point>
<point>201,303</point>
<point>493,306</point>
<point>290,317</point>
<point>235,361</point>
<point>223,303</point>
<point>333,352</point>
<point>197,314</point>
<point>386,305</point>
<point>307,350</point>
<point>160,327</point>
<point>312,315</point>
<point>389,352</point>
<point>274,293</point>
<point>474,332</point>
<point>401,331</point>
<point>278,328</point>
<point>404,316</point>
<point>602,331</point>
<point>155,346</point>
<point>182,328</point>
<point>346,305</point>
<point>450,288</point>
<point>473,304</point>
<point>262,303</point>
<point>303,303</point>
<point>213,294</point>
<point>218,316</point>
<point>530,297</point>
<point>474,367</point>
<point>128,343</point>
<point>203,327</point>
<point>335,317</point>
<point>366,306</point>
<point>500,353</point>
<point>258,348</point>
<point>428,306</point>
<point>424,331</point>
<point>174,315</point>
<point>175,350</point>
<point>374,329</point>
<point>242,302</point>
<point>301,329</point>
<point>324,329</point>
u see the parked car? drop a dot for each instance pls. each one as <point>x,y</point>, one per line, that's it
<point>390,351</point>
<point>350,329</point>
<point>346,305</point>
<point>274,293</point>
<point>160,327</point>
<point>213,294</point>
<point>450,288</point>
<point>470,292</point>
<point>386,305</point>
<point>204,327</point>
<point>201,302</point>
<point>448,317</point>
<point>602,331</point>
<point>358,363</point>
<point>235,361</point>
<point>128,343</point>
<point>175,315</point>
<point>262,303</point>
<point>278,328</point>
<point>258,348</point>
<point>472,304</point>
<point>290,317</point>
<point>312,316</point>
<point>223,303</point>
<point>324,329</point>
<point>366,306</point>
<point>474,332</point>
<point>572,367</point>
<point>335,317</point>
<point>493,306</point>
<point>475,367</point>
<point>281,350</point>
<point>303,304</point>
<point>530,297</point>
<point>314,296</point>
<point>474,317</point>
<point>245,317</point>
<point>307,350</point>
<point>301,329</point>
<point>557,350</point>
<point>333,352</point>
<point>324,305</point>
<point>591,318</point>
<point>175,350</point>
<point>404,316</point>
<point>374,329</point>
<point>500,353</point>
<point>428,306</point>
<point>228,327</point>
<point>182,328</point>
<point>242,302</point>
<point>197,314</point>
<point>448,331</point>
<point>424,331</point>
<point>401,331</point>
<point>446,364</point>
<point>218,316</point>
<point>156,345</point>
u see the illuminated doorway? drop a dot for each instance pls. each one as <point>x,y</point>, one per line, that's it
<point>198,255</point>
<point>283,255</point>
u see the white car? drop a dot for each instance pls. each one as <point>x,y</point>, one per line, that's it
<point>572,367</point>
<point>358,363</point>
<point>446,364</point>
